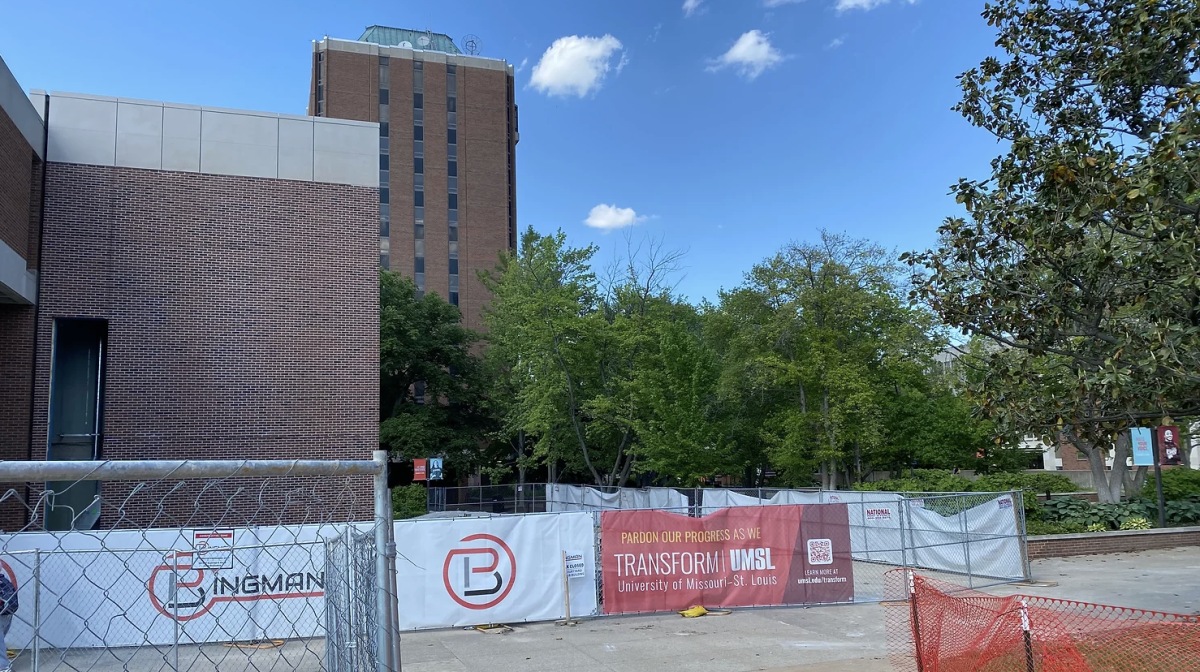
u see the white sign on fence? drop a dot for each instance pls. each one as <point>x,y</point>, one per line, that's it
<point>467,571</point>
<point>575,565</point>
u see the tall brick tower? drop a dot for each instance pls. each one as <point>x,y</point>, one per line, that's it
<point>447,152</point>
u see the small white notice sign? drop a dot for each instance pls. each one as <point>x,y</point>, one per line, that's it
<point>575,565</point>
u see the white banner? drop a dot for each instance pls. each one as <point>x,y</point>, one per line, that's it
<point>114,589</point>
<point>470,571</point>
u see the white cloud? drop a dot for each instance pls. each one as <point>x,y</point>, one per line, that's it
<point>779,3</point>
<point>574,65</point>
<point>623,62</point>
<point>690,7</point>
<point>751,55</point>
<point>843,5</point>
<point>835,43</point>
<point>524,62</point>
<point>611,218</point>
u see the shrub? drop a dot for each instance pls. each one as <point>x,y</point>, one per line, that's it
<point>1135,524</point>
<point>1097,527</point>
<point>1047,482</point>
<point>1034,527</point>
<point>1184,511</point>
<point>409,501</point>
<point>1178,484</point>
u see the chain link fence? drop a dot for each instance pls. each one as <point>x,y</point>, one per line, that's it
<point>200,565</point>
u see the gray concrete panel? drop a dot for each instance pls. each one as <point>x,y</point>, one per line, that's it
<point>181,139</point>
<point>20,109</point>
<point>296,149</point>
<point>233,144</point>
<point>139,135</point>
<point>82,129</point>
<point>167,136</point>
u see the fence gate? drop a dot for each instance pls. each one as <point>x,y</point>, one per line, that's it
<point>351,602</point>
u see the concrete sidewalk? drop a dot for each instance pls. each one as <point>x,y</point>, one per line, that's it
<point>848,638</point>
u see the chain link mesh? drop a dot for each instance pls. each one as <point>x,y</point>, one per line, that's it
<point>938,626</point>
<point>232,572</point>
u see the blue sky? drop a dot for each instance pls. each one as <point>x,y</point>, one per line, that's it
<point>728,127</point>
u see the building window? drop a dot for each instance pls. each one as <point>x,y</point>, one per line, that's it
<point>452,136</point>
<point>453,201</point>
<point>76,427</point>
<point>385,224</point>
<point>452,168</point>
<point>454,298</point>
<point>419,180</point>
<point>320,100</point>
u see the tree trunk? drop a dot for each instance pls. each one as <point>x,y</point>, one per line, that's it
<point>858,462</point>
<point>1109,483</point>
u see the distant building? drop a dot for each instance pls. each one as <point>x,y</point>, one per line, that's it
<point>181,282</point>
<point>447,152</point>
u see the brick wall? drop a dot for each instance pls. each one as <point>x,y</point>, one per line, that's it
<point>20,189</point>
<point>242,312</point>
<point>483,167</point>
<point>16,160</point>
<point>1062,545</point>
<point>352,92</point>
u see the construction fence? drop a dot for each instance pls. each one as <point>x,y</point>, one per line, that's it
<point>229,565</point>
<point>938,626</point>
<point>979,537</point>
<point>239,565</point>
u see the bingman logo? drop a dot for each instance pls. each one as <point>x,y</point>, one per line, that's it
<point>480,576</point>
<point>198,588</point>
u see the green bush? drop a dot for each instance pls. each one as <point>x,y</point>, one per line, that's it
<point>940,480</point>
<point>1184,511</point>
<point>1042,527</point>
<point>1178,484</point>
<point>1136,524</point>
<point>1039,483</point>
<point>409,501</point>
<point>1097,527</point>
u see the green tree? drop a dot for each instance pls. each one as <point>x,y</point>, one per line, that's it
<point>1080,257</point>
<point>822,335</point>
<point>597,372</point>
<point>431,382</point>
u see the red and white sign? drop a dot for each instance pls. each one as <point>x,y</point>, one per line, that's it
<point>419,469</point>
<point>504,569</point>
<point>736,557</point>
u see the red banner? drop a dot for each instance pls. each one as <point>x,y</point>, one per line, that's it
<point>737,557</point>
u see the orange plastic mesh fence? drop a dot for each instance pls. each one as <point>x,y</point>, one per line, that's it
<point>936,626</point>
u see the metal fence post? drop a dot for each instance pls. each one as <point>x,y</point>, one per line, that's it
<point>916,620</point>
<point>37,609</point>
<point>383,617</point>
<point>1029,667</point>
<point>175,608</point>
<point>394,593</point>
<point>966,528</point>
<point>1018,498</point>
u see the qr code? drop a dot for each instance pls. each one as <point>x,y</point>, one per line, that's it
<point>820,552</point>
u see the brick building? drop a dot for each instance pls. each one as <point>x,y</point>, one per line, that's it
<point>447,152</point>
<point>181,282</point>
